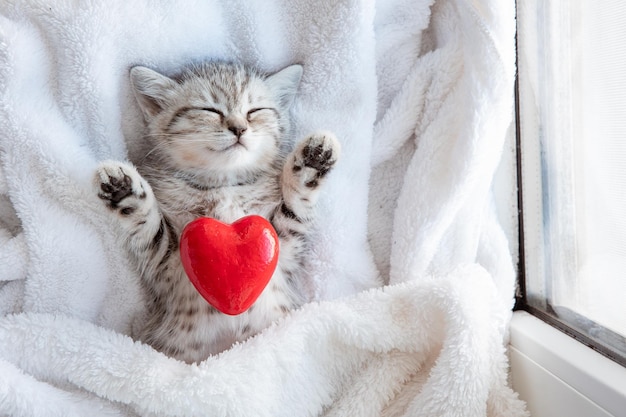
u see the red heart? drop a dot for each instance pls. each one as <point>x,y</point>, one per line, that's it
<point>229,265</point>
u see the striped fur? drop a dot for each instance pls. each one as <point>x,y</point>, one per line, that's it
<point>217,134</point>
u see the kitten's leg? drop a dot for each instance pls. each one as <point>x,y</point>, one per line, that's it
<point>131,199</point>
<point>304,172</point>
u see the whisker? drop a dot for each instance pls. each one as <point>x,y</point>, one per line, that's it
<point>191,138</point>
<point>150,152</point>
<point>159,151</point>
<point>157,135</point>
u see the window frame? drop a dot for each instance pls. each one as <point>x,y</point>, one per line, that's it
<point>521,301</point>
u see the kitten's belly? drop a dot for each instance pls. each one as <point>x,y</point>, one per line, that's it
<point>192,330</point>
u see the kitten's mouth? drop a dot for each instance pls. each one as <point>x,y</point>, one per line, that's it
<point>239,144</point>
<point>229,147</point>
<point>235,146</point>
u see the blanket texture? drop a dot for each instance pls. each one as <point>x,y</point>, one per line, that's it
<point>419,93</point>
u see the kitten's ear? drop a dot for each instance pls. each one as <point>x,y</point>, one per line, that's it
<point>152,90</point>
<point>285,84</point>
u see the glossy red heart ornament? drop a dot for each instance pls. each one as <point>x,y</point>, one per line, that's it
<point>229,264</point>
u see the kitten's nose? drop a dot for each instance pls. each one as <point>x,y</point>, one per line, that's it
<point>237,129</point>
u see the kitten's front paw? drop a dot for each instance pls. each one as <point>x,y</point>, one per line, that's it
<point>121,186</point>
<point>315,157</point>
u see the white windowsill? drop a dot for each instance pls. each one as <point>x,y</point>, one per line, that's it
<point>558,376</point>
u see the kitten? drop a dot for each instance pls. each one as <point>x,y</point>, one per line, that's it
<point>218,133</point>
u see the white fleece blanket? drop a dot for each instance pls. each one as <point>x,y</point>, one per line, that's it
<point>420,94</point>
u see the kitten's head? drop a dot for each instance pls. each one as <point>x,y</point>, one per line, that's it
<point>218,117</point>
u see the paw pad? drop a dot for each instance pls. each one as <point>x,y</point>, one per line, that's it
<point>116,184</point>
<point>115,189</point>
<point>318,153</point>
<point>318,157</point>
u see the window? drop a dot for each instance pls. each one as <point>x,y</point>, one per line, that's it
<point>572,132</point>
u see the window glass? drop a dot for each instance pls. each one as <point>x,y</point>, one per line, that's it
<point>572,113</point>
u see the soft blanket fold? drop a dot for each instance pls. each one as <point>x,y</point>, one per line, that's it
<point>419,93</point>
<point>288,370</point>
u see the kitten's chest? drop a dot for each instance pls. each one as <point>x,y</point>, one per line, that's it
<point>226,204</point>
<point>230,205</point>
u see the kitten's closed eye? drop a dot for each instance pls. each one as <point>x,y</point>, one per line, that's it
<point>212,110</point>
<point>194,112</point>
<point>260,111</point>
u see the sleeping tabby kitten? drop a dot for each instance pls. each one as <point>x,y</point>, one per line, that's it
<point>217,133</point>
